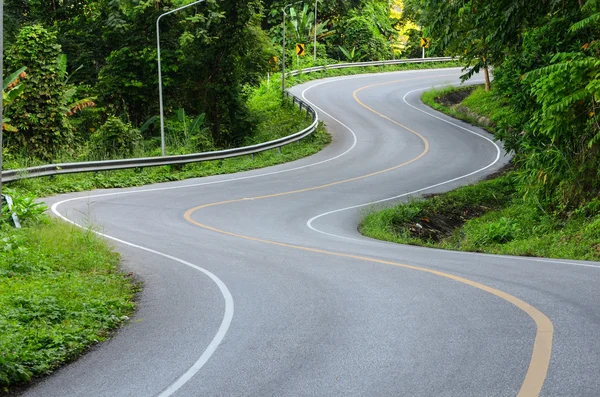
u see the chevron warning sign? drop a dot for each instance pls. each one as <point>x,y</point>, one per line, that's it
<point>300,49</point>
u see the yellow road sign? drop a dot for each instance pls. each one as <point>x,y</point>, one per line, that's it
<point>425,42</point>
<point>274,63</point>
<point>300,49</point>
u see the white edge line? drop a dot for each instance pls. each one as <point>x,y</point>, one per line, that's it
<point>227,316</point>
<point>498,152</point>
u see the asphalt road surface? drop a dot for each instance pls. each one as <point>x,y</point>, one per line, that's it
<point>258,283</point>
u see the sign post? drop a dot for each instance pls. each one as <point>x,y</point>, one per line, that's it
<point>425,42</point>
<point>283,55</point>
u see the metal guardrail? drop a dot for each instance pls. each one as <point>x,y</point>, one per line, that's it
<point>366,64</point>
<point>109,165</point>
<point>10,205</point>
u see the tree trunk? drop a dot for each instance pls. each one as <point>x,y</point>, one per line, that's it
<point>486,74</point>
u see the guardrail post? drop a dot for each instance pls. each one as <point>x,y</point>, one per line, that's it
<point>9,204</point>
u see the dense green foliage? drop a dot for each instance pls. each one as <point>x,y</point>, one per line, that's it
<point>89,62</point>
<point>60,292</point>
<point>546,64</point>
<point>115,137</point>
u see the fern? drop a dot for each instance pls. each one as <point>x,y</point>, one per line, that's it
<point>591,21</point>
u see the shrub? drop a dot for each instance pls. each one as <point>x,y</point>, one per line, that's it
<point>360,34</point>
<point>115,139</point>
<point>502,231</point>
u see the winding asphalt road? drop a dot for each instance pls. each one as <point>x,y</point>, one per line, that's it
<point>258,283</point>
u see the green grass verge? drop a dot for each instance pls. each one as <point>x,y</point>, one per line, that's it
<point>473,105</point>
<point>489,216</point>
<point>60,292</point>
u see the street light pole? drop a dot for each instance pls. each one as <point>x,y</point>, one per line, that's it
<point>283,61</point>
<point>283,55</point>
<point>315,27</point>
<point>160,89</point>
<point>1,85</point>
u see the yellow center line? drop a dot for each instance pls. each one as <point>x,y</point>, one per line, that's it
<point>542,346</point>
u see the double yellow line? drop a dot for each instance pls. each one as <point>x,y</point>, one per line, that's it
<point>542,346</point>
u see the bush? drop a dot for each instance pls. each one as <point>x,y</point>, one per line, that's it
<point>115,139</point>
<point>502,231</point>
<point>360,34</point>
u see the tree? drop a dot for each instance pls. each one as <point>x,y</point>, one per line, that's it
<point>564,131</point>
<point>38,113</point>
<point>301,25</point>
<point>479,32</point>
<point>225,54</point>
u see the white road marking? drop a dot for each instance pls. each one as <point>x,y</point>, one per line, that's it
<point>227,316</point>
<point>497,158</point>
<point>370,241</point>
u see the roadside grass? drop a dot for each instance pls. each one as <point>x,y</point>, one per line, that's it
<point>474,105</point>
<point>60,292</point>
<point>430,221</point>
<point>490,216</point>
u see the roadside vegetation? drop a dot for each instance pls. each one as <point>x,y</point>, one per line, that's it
<point>60,292</point>
<point>272,121</point>
<point>543,103</point>
<point>492,216</point>
<point>545,94</point>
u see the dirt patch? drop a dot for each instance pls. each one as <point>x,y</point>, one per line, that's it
<point>455,97</point>
<point>435,227</point>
